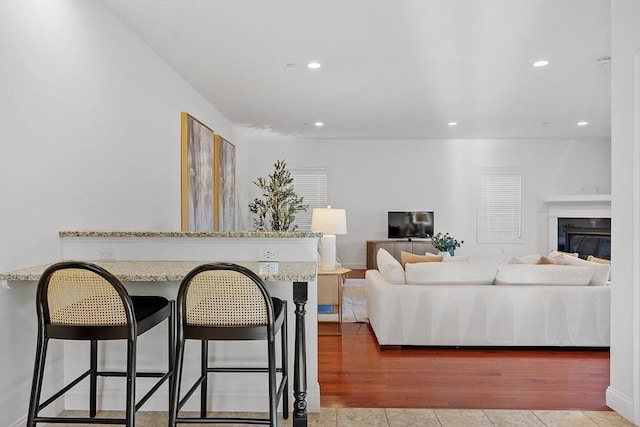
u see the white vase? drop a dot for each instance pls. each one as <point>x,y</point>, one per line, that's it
<point>444,254</point>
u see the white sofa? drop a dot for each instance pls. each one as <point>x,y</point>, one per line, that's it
<point>486,304</point>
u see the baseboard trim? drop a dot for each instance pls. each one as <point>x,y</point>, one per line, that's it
<point>620,403</point>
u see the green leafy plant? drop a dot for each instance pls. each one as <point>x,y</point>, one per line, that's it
<point>445,242</point>
<point>279,204</point>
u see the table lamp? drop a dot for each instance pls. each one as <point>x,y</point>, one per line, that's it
<point>330,222</point>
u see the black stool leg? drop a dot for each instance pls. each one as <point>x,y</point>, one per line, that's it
<point>204,363</point>
<point>131,382</point>
<point>273,392</point>
<point>38,373</point>
<point>285,363</point>
<point>177,372</point>
<point>172,346</point>
<point>93,378</point>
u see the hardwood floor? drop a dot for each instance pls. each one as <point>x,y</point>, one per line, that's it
<point>354,372</point>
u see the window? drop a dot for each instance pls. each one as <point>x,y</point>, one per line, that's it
<point>313,186</point>
<point>500,205</point>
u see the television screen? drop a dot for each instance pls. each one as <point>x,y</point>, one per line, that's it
<point>408,224</point>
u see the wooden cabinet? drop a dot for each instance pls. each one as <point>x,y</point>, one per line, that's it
<point>330,288</point>
<point>395,247</point>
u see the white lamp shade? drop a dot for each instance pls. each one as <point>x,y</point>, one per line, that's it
<point>329,221</point>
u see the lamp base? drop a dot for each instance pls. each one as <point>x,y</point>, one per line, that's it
<point>328,252</point>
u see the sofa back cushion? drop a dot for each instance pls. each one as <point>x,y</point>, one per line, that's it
<point>390,268</point>
<point>600,271</point>
<point>451,273</point>
<point>449,258</point>
<point>533,274</point>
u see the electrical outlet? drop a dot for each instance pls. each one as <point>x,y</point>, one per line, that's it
<point>106,253</point>
<point>268,254</point>
<point>268,267</point>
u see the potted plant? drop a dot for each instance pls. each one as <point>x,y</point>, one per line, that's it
<point>277,209</point>
<point>445,243</point>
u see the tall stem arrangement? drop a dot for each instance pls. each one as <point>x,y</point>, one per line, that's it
<point>277,208</point>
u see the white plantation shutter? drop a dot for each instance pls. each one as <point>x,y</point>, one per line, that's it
<point>500,205</point>
<point>313,186</point>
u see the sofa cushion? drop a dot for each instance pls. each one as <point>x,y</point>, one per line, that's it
<point>600,271</point>
<point>451,273</point>
<point>408,257</point>
<point>390,268</point>
<point>528,274</point>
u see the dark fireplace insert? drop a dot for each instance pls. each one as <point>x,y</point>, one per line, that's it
<point>586,236</point>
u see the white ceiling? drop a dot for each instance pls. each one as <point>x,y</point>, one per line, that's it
<point>391,68</point>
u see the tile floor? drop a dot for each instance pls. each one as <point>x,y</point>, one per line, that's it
<point>356,417</point>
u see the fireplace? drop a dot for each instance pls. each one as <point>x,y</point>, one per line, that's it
<point>579,223</point>
<point>586,236</point>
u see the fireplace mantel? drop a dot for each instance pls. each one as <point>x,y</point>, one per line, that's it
<point>574,206</point>
<point>580,199</point>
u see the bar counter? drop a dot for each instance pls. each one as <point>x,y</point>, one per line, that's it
<point>174,271</point>
<point>155,262</point>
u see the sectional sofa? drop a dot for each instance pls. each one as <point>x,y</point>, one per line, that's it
<point>521,303</point>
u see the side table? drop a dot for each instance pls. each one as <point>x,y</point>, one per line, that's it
<point>330,284</point>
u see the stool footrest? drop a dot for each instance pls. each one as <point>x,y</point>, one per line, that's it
<point>223,420</point>
<point>240,369</point>
<point>124,374</point>
<point>62,420</point>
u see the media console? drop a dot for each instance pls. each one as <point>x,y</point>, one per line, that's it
<point>394,247</point>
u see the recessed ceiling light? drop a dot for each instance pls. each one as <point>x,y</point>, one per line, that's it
<point>583,123</point>
<point>319,124</point>
<point>314,65</point>
<point>541,63</point>
<point>452,123</point>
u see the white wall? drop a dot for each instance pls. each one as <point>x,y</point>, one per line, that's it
<point>89,139</point>
<point>623,394</point>
<point>369,178</point>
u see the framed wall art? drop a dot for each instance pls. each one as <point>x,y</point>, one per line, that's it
<point>225,184</point>
<point>198,184</point>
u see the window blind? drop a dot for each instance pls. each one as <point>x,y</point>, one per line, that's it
<point>313,186</point>
<point>500,205</point>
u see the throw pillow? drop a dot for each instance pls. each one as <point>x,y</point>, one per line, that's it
<point>591,258</point>
<point>550,260</point>
<point>409,258</point>
<point>390,268</point>
<point>558,253</point>
<point>528,259</point>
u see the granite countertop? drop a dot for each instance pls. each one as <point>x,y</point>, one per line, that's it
<point>174,271</point>
<point>200,234</point>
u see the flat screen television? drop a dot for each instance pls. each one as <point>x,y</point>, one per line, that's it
<point>410,224</point>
